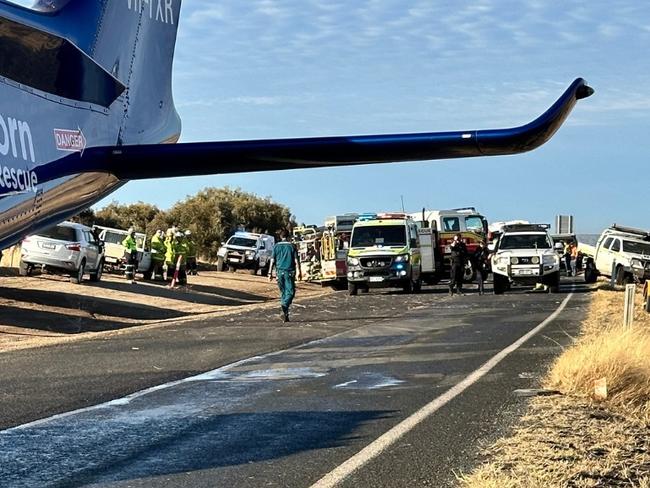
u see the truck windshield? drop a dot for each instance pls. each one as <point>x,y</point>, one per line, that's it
<point>242,242</point>
<point>637,247</point>
<point>525,241</point>
<point>475,223</point>
<point>379,235</point>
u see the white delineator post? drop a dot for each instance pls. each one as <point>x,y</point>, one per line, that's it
<point>628,310</point>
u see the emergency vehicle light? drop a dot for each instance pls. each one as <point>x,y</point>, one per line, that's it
<point>392,215</point>
<point>367,216</point>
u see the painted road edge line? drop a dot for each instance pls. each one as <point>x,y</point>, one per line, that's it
<point>384,441</point>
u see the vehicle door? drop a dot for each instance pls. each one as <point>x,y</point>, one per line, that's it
<point>615,254</point>
<point>264,253</point>
<point>414,245</point>
<point>91,247</point>
<point>604,257</point>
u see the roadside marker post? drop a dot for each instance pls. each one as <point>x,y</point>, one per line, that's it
<point>628,310</point>
<point>612,279</point>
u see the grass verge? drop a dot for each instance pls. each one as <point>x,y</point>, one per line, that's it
<point>573,439</point>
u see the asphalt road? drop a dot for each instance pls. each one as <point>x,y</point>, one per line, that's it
<point>248,402</point>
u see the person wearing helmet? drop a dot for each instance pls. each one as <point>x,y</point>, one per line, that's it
<point>179,252</point>
<point>158,254</point>
<point>190,246</point>
<point>130,254</point>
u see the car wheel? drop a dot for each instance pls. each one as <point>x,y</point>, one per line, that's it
<point>554,283</point>
<point>253,270</point>
<point>353,289</point>
<point>265,271</point>
<point>590,273</point>
<point>97,275</point>
<point>646,305</point>
<point>500,284</point>
<point>408,286</point>
<point>622,277</point>
<point>220,264</point>
<point>79,275</point>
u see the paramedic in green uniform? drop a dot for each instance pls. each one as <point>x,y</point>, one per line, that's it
<point>285,260</point>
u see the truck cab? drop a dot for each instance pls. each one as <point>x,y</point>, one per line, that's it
<point>114,250</point>
<point>384,251</point>
<point>622,253</point>
<point>246,250</point>
<point>466,221</point>
<point>525,255</point>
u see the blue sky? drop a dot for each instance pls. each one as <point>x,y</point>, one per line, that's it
<point>291,68</point>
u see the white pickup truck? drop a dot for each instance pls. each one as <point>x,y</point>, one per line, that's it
<point>114,251</point>
<point>620,252</point>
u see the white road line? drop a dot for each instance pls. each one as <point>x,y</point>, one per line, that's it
<point>384,441</point>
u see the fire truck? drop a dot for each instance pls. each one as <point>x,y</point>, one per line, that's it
<point>323,254</point>
<point>445,224</point>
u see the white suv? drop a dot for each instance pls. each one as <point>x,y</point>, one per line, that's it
<point>525,254</point>
<point>246,250</point>
<point>68,248</point>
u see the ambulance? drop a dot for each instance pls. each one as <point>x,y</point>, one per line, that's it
<point>384,251</point>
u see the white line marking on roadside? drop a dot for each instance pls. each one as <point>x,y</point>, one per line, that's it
<point>384,441</point>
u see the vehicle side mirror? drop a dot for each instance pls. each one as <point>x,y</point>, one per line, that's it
<point>491,247</point>
<point>414,243</point>
<point>559,246</point>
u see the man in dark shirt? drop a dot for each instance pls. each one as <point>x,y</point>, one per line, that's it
<point>458,256</point>
<point>479,261</point>
<point>285,261</point>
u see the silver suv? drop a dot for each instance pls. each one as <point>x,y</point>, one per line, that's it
<point>67,248</point>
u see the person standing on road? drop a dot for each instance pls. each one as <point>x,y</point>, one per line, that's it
<point>191,253</point>
<point>458,257</point>
<point>130,254</point>
<point>567,258</point>
<point>574,259</point>
<point>479,261</point>
<point>158,255</point>
<point>285,260</point>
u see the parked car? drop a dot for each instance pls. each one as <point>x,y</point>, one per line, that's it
<point>66,248</point>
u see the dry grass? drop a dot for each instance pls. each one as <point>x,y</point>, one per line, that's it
<point>564,442</point>
<point>607,350</point>
<point>574,440</point>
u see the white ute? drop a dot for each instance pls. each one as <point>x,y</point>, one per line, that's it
<point>525,255</point>
<point>621,252</point>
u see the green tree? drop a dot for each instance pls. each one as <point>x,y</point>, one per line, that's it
<point>138,215</point>
<point>216,213</point>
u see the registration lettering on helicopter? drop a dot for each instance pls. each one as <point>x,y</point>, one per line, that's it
<point>158,10</point>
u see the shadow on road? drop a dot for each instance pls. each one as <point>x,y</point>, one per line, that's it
<point>90,304</point>
<point>144,450</point>
<point>187,294</point>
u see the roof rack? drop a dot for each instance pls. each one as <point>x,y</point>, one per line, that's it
<point>631,230</point>
<point>526,228</point>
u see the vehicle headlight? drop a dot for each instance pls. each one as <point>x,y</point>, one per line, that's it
<point>514,260</point>
<point>535,260</point>
<point>402,258</point>
<point>551,259</point>
<point>353,261</point>
<point>636,263</point>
